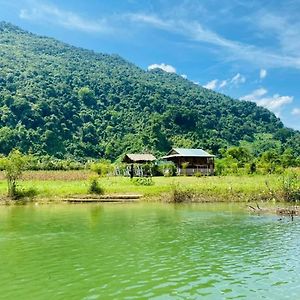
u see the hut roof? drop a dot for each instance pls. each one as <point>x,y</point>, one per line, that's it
<point>184,152</point>
<point>139,158</point>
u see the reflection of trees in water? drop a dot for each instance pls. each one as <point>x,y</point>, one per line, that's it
<point>95,215</point>
<point>17,217</point>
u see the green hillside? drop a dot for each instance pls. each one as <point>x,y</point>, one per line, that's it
<point>65,101</point>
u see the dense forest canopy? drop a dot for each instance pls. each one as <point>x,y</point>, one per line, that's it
<point>67,102</point>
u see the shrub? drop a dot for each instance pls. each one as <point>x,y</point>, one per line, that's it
<point>25,193</point>
<point>51,163</point>
<point>94,187</point>
<point>184,166</point>
<point>198,174</point>
<point>102,168</point>
<point>145,181</point>
<point>179,194</point>
<point>167,169</point>
<point>291,187</point>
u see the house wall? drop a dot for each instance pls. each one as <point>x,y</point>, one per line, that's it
<point>203,165</point>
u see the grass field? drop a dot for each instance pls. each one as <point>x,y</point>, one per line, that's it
<point>60,184</point>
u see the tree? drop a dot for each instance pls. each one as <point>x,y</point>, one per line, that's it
<point>14,165</point>
<point>102,168</point>
<point>270,161</point>
<point>87,96</point>
<point>287,158</point>
<point>241,154</point>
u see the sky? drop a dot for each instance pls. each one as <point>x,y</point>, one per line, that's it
<point>245,49</point>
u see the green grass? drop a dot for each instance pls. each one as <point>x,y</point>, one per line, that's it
<point>59,184</point>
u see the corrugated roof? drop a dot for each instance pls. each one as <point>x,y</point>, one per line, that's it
<point>188,153</point>
<point>191,152</point>
<point>141,157</point>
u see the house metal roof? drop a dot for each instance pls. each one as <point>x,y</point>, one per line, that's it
<point>184,152</point>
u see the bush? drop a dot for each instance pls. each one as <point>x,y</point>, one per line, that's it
<point>145,181</point>
<point>52,163</point>
<point>291,187</point>
<point>167,169</point>
<point>198,174</point>
<point>184,166</point>
<point>180,194</point>
<point>94,187</point>
<point>102,168</point>
<point>25,193</point>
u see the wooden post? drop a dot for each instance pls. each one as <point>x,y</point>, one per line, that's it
<point>131,171</point>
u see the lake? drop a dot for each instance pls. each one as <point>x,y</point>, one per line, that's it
<point>147,251</point>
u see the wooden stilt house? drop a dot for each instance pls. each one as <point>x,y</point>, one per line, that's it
<point>191,161</point>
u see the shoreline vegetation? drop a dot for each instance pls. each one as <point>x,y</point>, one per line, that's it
<point>20,184</point>
<point>56,186</point>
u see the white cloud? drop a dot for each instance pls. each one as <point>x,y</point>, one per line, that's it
<point>296,111</point>
<point>164,67</point>
<point>285,30</point>
<point>211,85</point>
<point>262,73</point>
<point>233,50</point>
<point>223,83</point>
<point>256,94</point>
<point>237,79</point>
<point>274,103</point>
<point>54,15</point>
<point>184,76</point>
<point>147,19</point>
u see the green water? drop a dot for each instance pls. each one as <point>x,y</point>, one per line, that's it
<point>147,251</point>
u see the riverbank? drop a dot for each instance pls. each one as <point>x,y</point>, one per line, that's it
<point>58,185</point>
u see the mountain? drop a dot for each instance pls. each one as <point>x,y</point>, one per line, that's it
<point>65,101</point>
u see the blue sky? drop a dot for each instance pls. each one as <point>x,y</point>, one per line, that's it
<point>246,49</point>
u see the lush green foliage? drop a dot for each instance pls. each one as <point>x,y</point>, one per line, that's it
<point>62,101</point>
<point>102,168</point>
<point>250,158</point>
<point>165,168</point>
<point>291,186</point>
<point>14,165</point>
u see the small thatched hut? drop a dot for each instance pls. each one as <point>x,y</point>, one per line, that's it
<point>138,158</point>
<point>138,164</point>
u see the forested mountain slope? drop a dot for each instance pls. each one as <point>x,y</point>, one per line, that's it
<point>69,102</point>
